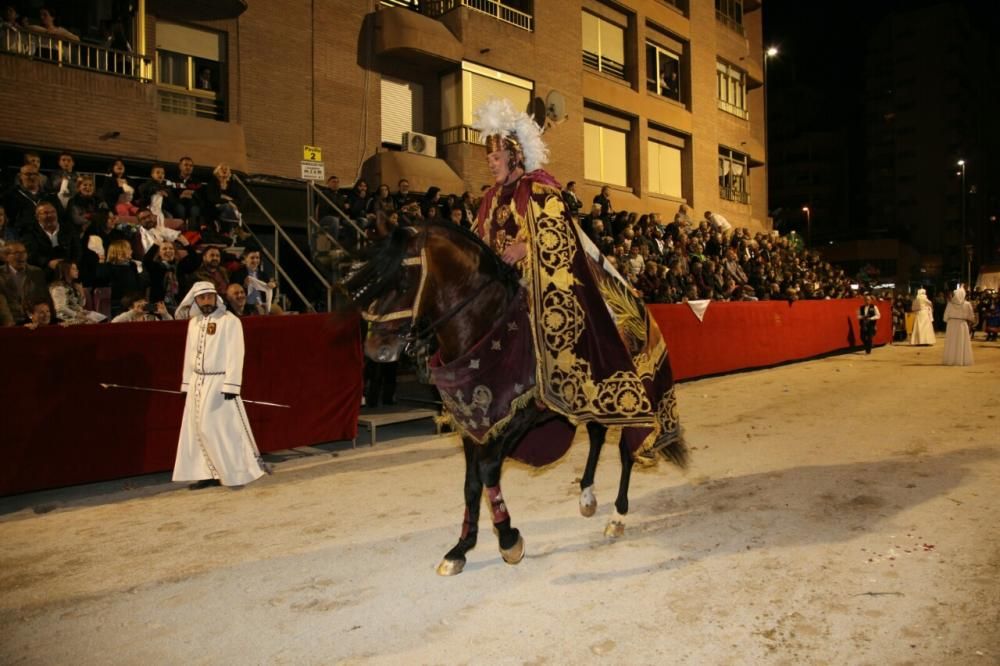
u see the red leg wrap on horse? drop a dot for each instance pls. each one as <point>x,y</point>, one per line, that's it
<point>497,504</point>
<point>466,524</point>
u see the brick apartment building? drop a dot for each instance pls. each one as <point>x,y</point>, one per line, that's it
<point>660,99</point>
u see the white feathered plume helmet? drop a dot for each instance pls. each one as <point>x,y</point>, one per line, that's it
<point>505,128</point>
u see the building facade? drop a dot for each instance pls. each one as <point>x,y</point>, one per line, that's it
<point>662,100</point>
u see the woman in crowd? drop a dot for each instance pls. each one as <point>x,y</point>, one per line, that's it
<point>160,265</point>
<point>222,201</point>
<point>959,315</point>
<point>84,204</point>
<point>39,315</point>
<point>121,274</point>
<point>357,203</point>
<point>118,190</point>
<point>135,307</point>
<point>923,320</point>
<point>382,201</point>
<point>68,297</point>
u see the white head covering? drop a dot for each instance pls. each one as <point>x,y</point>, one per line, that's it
<point>498,117</point>
<point>186,310</point>
<point>958,296</point>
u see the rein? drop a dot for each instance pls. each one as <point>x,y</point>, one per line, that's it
<point>420,336</point>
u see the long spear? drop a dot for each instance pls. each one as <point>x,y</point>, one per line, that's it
<point>156,390</point>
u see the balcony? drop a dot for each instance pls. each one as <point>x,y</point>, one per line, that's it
<point>70,53</point>
<point>498,10</point>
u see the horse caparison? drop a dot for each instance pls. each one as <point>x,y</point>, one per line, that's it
<point>464,286</point>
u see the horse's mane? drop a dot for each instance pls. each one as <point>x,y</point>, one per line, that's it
<point>381,272</point>
<point>489,261</point>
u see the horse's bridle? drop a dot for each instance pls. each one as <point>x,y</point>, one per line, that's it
<point>418,339</point>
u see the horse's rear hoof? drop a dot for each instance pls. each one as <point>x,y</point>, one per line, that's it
<point>588,502</point>
<point>450,567</point>
<point>515,553</point>
<point>614,529</point>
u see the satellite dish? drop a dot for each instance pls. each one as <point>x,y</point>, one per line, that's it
<point>555,107</point>
<point>538,111</point>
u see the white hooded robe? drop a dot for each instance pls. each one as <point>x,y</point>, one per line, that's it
<point>957,345</point>
<point>215,441</point>
<point>923,321</point>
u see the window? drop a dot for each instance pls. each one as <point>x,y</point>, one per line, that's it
<point>462,92</point>
<point>604,154</point>
<point>665,152</point>
<point>189,70</point>
<point>730,12</point>
<point>603,46</point>
<point>732,90</point>
<point>402,109</point>
<point>733,176</point>
<point>665,169</point>
<point>663,71</point>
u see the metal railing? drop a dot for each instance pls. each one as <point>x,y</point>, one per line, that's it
<point>275,257</point>
<point>202,105</point>
<point>70,53</point>
<point>734,194</point>
<point>733,109</point>
<point>497,10</point>
<point>604,64</point>
<point>461,134</point>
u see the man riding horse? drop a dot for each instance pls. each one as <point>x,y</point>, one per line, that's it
<point>599,356</point>
<point>524,354</point>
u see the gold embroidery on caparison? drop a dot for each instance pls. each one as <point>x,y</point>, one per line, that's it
<point>553,287</point>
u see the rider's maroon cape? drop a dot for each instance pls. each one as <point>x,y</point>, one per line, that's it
<point>597,354</point>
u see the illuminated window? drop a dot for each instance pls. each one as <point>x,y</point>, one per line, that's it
<point>732,89</point>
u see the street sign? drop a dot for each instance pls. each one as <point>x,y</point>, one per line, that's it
<point>312,153</point>
<point>313,171</point>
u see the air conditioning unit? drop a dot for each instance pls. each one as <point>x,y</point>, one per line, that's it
<point>421,144</point>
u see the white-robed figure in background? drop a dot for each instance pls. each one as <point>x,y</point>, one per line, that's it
<point>216,445</point>
<point>958,314</point>
<point>923,320</point>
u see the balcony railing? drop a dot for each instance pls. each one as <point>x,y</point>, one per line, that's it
<point>497,10</point>
<point>604,64</point>
<point>191,103</point>
<point>733,109</point>
<point>69,53</point>
<point>734,194</point>
<point>461,134</point>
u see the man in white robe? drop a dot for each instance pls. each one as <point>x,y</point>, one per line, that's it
<point>923,320</point>
<point>959,315</point>
<point>216,445</point>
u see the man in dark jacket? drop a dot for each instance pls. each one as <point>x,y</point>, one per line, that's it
<point>49,242</point>
<point>20,282</point>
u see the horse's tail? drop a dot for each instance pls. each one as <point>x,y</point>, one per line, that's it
<point>671,447</point>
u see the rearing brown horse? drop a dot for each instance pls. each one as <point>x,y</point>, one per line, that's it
<point>442,284</point>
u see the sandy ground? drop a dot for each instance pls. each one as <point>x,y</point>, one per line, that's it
<point>838,511</point>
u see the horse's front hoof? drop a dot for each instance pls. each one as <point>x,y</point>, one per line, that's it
<point>515,553</point>
<point>588,502</point>
<point>614,529</point>
<point>450,567</point>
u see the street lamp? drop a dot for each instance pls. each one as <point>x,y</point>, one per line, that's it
<point>968,274</point>
<point>769,53</point>
<point>809,234</point>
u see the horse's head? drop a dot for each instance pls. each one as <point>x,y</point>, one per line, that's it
<point>386,289</point>
<point>452,265</point>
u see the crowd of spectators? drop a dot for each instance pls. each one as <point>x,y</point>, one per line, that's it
<point>79,249</point>
<point>665,261</point>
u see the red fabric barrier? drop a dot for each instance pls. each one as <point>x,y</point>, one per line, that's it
<point>734,336</point>
<point>60,428</point>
